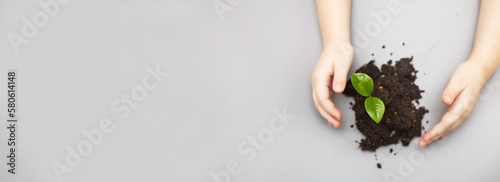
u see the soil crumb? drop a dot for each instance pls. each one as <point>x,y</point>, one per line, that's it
<point>390,150</point>
<point>391,53</point>
<point>383,46</point>
<point>373,54</point>
<point>403,44</point>
<point>379,165</point>
<point>352,126</point>
<point>402,120</point>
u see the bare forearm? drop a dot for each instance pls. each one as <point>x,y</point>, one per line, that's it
<point>486,49</point>
<point>334,20</point>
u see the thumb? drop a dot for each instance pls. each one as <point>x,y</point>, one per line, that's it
<point>340,78</point>
<point>342,63</point>
<point>455,86</point>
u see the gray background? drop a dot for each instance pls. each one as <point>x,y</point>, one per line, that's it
<point>227,77</point>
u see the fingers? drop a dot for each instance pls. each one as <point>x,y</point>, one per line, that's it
<point>321,82</point>
<point>331,120</point>
<point>455,86</point>
<point>329,74</point>
<point>448,132</point>
<point>447,122</point>
<point>323,97</point>
<point>456,114</point>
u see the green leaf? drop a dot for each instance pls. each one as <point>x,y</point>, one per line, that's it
<point>375,108</point>
<point>362,83</point>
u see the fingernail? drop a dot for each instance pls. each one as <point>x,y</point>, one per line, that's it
<point>338,87</point>
<point>447,99</point>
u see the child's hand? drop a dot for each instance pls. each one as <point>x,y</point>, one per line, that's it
<point>330,74</point>
<point>461,94</point>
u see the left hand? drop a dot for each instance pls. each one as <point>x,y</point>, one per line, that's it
<point>461,94</point>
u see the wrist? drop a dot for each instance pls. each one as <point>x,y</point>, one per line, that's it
<point>487,66</point>
<point>334,43</point>
<point>479,70</point>
<point>338,45</point>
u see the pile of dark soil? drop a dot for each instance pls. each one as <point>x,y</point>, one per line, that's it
<point>402,120</point>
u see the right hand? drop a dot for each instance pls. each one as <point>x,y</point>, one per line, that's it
<point>330,73</point>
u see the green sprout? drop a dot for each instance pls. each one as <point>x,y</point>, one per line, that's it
<point>364,86</point>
